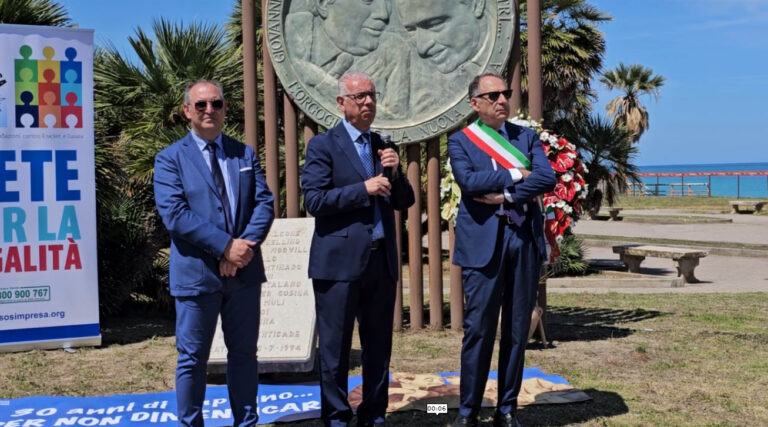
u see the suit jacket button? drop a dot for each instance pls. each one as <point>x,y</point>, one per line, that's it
<point>370,231</point>
<point>220,209</point>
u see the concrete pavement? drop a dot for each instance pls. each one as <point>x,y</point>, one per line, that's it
<point>718,273</point>
<point>744,228</point>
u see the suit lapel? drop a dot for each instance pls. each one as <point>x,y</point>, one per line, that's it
<point>195,156</point>
<point>347,146</point>
<point>375,147</point>
<point>514,133</point>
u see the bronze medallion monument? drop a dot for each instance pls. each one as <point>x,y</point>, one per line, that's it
<point>421,55</point>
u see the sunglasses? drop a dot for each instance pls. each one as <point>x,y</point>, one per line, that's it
<point>361,96</point>
<point>216,104</point>
<point>493,96</point>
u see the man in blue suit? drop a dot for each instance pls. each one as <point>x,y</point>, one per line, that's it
<point>214,201</point>
<point>501,169</point>
<point>353,257</point>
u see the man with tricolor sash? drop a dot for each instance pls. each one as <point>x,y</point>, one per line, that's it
<point>501,169</point>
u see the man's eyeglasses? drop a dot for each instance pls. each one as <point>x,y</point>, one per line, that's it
<point>493,96</point>
<point>360,97</point>
<point>217,104</point>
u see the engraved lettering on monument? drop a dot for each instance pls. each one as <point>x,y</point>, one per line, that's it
<point>287,328</point>
<point>421,55</point>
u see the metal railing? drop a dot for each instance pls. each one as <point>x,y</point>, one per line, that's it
<point>671,189</point>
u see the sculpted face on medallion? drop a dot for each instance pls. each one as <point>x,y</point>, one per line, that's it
<point>421,55</point>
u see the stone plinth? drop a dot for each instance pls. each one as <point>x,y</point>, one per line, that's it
<point>287,332</point>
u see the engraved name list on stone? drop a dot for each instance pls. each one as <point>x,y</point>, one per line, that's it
<point>287,327</point>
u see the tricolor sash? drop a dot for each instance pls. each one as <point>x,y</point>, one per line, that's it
<point>508,156</point>
<point>493,144</point>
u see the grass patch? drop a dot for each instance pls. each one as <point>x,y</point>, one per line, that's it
<point>688,203</point>
<point>645,359</point>
<point>693,204</point>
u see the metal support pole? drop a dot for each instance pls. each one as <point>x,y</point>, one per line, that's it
<point>250,80</point>
<point>272,152</point>
<point>398,321</point>
<point>291,159</point>
<point>416,273</point>
<point>516,103</point>
<point>535,98</point>
<point>457,290</point>
<point>434,246</point>
<point>310,130</point>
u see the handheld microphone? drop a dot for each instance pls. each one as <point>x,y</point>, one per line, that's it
<point>386,139</point>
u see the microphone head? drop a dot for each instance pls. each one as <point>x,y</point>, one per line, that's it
<point>386,138</point>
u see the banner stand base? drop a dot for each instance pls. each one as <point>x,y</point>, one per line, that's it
<point>52,344</point>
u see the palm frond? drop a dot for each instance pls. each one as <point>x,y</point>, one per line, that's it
<point>34,12</point>
<point>633,81</point>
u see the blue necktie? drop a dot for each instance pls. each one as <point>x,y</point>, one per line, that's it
<point>367,159</point>
<point>218,179</point>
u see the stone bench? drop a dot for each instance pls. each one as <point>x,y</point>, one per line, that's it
<point>686,259</point>
<point>739,206</point>
<point>613,212</point>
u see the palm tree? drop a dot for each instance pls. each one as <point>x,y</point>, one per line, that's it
<point>138,111</point>
<point>34,12</point>
<point>634,81</point>
<point>609,155</point>
<point>572,53</point>
<point>234,25</point>
<point>141,103</point>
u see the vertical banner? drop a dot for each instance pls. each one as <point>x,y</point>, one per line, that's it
<point>48,269</point>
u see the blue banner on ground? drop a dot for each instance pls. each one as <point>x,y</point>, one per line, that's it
<point>277,403</point>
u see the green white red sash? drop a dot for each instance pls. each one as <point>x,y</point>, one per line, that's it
<point>508,156</point>
<point>492,143</point>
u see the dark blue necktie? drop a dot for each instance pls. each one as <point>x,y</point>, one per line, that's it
<point>367,159</point>
<point>218,179</point>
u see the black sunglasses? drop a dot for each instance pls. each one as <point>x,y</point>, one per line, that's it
<point>493,96</point>
<point>217,104</point>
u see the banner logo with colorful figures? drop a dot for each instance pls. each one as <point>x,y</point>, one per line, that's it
<point>48,92</point>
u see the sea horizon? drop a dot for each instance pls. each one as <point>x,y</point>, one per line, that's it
<point>720,186</point>
<point>688,167</point>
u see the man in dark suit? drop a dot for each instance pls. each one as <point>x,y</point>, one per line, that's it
<point>214,201</point>
<point>501,169</point>
<point>353,257</point>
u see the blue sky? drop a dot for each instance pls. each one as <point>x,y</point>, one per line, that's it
<point>715,57</point>
<point>713,54</point>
